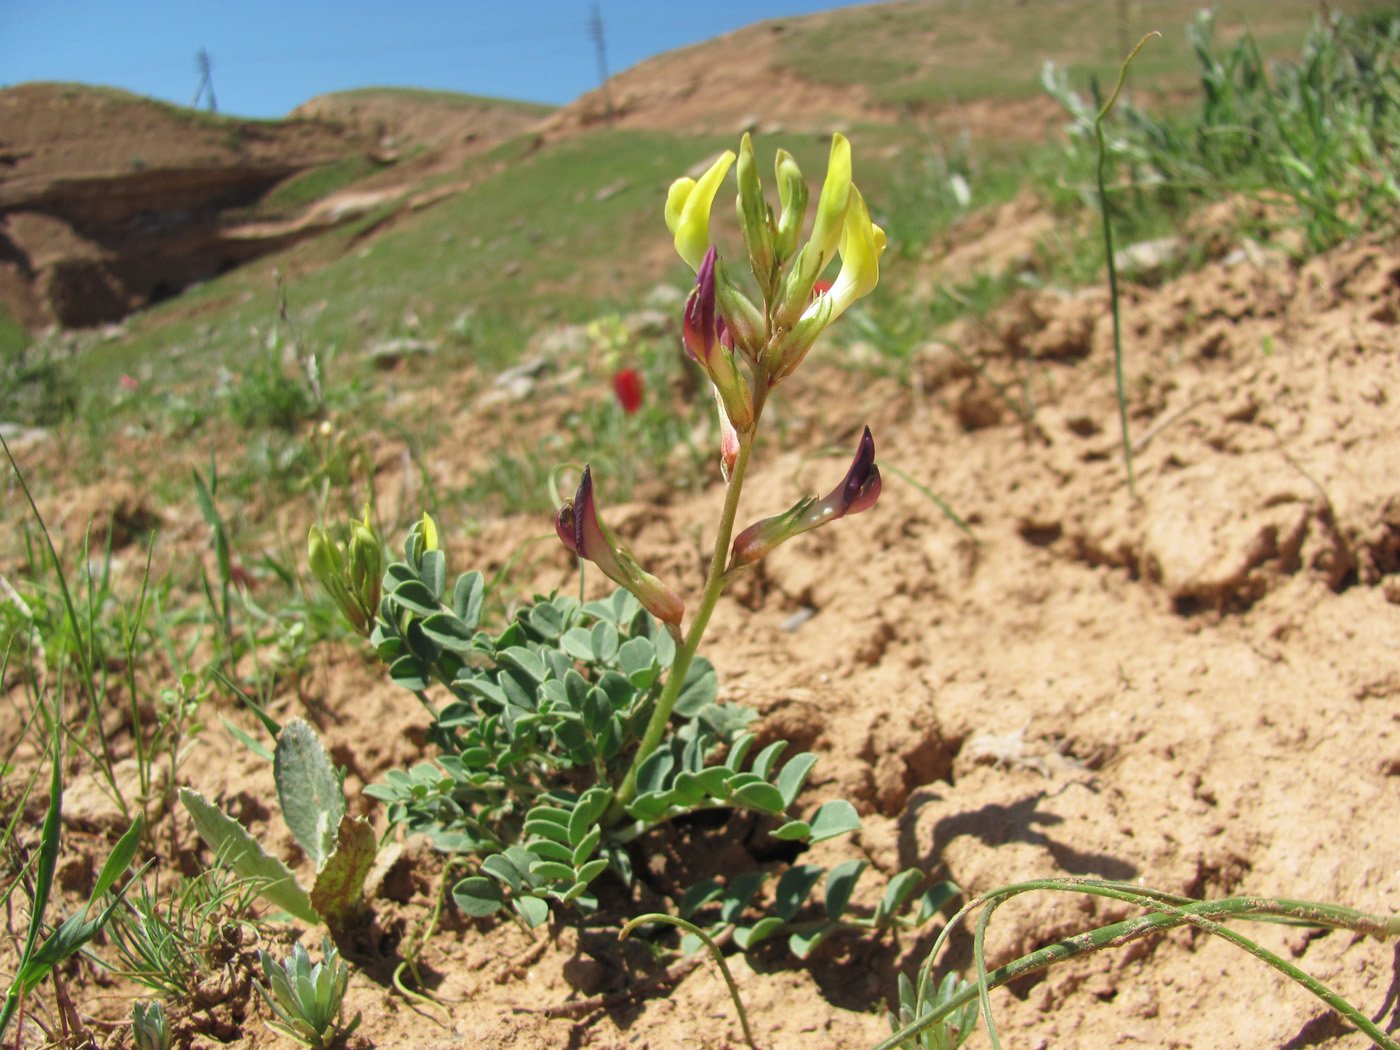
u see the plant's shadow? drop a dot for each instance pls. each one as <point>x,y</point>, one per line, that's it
<point>997,824</point>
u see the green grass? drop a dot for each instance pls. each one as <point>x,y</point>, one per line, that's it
<point>454,99</point>
<point>929,53</point>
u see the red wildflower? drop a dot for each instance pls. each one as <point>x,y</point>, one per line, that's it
<point>627,385</point>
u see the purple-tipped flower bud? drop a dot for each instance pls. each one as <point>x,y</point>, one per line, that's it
<point>858,491</point>
<point>583,533</point>
<point>707,340</point>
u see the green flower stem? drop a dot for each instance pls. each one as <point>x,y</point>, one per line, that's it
<point>1173,911</point>
<point>714,584</point>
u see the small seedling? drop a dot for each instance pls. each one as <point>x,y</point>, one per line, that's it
<point>308,1000</point>
<point>149,1028</point>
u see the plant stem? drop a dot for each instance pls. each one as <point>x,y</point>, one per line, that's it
<point>671,691</point>
<point>1113,265</point>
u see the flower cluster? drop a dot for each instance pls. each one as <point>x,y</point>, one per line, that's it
<point>745,349</point>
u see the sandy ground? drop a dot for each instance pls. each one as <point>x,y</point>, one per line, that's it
<point>1195,687</point>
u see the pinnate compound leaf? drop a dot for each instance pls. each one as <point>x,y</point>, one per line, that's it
<point>308,789</point>
<point>836,817</point>
<point>338,887</point>
<point>228,838</point>
<point>478,896</point>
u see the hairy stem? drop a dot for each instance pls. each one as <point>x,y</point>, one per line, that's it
<point>714,584</point>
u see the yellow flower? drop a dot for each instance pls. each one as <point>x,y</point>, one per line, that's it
<point>688,210</point>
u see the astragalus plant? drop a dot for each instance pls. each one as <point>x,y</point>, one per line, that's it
<point>579,727</point>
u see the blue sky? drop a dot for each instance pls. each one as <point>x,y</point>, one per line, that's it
<point>270,56</point>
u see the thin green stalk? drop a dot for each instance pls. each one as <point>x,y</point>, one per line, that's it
<point>671,691</point>
<point>81,646</point>
<point>1112,265</point>
<point>715,954</point>
<point>1171,911</point>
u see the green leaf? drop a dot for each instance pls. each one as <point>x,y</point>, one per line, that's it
<point>836,817</point>
<point>578,643</point>
<point>605,641</point>
<point>407,673</point>
<point>654,771</point>
<point>763,797</point>
<point>650,806</point>
<point>525,660</point>
<point>738,750</point>
<point>804,944</point>
<point>590,806</point>
<point>308,789</point>
<point>586,846</point>
<point>449,631</point>
<point>552,870</point>
<point>586,873</point>
<point>547,621</point>
<point>700,689</point>
<point>228,838</point>
<point>747,937</point>
<point>416,596</point>
<point>794,775</point>
<point>699,895</point>
<point>840,884</point>
<point>937,896</point>
<point>739,892</point>
<point>255,746</point>
<point>478,896</point>
<point>501,867</point>
<point>792,889</point>
<point>793,831</point>
<point>548,849</point>
<point>896,893</point>
<point>123,853</point>
<point>532,910</point>
<point>337,891</point>
<point>637,658</point>
<point>467,596</point>
<point>432,567</point>
<point>763,764</point>
<point>548,829</point>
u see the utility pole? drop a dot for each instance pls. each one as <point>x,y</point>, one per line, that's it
<point>595,29</point>
<point>205,65</point>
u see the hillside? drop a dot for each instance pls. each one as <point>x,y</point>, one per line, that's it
<point>1116,605</point>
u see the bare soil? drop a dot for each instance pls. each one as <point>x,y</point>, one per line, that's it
<point>1194,685</point>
